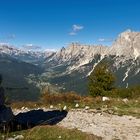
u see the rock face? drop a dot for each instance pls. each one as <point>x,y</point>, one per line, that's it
<point>127,44</point>
<point>72,65</point>
<point>76,55</point>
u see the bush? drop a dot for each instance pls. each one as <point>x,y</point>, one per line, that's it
<point>101,80</point>
<point>132,92</point>
<point>69,97</point>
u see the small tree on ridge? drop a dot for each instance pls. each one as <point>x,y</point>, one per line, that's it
<point>101,80</point>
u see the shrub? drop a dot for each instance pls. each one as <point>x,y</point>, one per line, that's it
<point>131,92</point>
<point>101,80</point>
<point>69,97</point>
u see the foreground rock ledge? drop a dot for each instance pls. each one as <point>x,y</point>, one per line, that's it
<point>102,124</point>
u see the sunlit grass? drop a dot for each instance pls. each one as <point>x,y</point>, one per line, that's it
<point>117,105</point>
<point>51,133</point>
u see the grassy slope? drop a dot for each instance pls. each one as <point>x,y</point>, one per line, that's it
<point>51,133</point>
<point>14,74</point>
<point>115,105</point>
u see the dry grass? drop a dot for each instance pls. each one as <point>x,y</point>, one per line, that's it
<point>20,104</point>
<point>131,107</point>
<point>70,97</point>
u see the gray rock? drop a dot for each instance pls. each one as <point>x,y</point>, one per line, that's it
<point>19,137</point>
<point>10,139</point>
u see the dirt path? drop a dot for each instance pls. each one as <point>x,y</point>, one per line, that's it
<point>102,124</point>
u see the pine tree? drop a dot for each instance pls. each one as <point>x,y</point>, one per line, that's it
<point>101,80</point>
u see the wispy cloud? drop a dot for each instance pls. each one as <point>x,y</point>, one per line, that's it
<point>72,33</point>
<point>31,47</point>
<point>105,40</point>
<point>76,29</point>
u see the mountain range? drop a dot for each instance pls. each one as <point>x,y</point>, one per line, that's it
<point>69,68</point>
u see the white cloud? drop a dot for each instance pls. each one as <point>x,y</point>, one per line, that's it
<point>76,29</point>
<point>101,39</point>
<point>105,40</point>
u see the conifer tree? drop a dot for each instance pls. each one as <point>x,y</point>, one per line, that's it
<point>101,80</point>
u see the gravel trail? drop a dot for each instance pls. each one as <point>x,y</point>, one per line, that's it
<point>103,124</point>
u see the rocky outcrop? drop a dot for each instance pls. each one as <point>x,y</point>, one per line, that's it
<point>127,44</point>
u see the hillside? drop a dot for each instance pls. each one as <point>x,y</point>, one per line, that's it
<point>15,73</point>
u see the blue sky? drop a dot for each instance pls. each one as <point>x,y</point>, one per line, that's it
<point>52,24</point>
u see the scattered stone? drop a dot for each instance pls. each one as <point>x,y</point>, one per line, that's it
<point>87,107</point>
<point>77,105</point>
<point>125,100</point>
<point>110,111</point>
<point>59,137</point>
<point>105,99</point>
<point>19,137</point>
<point>23,108</point>
<point>51,106</point>
<point>65,107</point>
<point>10,139</point>
<point>115,108</point>
<point>26,109</point>
<point>136,101</point>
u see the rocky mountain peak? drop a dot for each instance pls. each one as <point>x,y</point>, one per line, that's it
<point>8,49</point>
<point>79,51</point>
<point>127,44</point>
<point>24,55</point>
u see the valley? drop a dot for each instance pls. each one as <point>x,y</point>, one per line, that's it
<point>68,69</point>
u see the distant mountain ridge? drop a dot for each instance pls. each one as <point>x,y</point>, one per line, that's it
<point>70,67</point>
<point>24,55</point>
<point>127,44</point>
